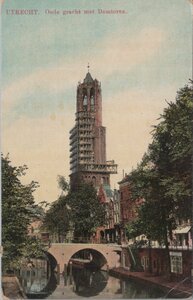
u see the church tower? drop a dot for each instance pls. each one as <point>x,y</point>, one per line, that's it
<point>88,138</point>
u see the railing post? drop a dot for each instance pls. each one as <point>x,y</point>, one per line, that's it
<point>58,268</point>
<point>70,268</point>
<point>122,259</point>
<point>65,269</point>
<point>71,279</point>
<point>107,268</point>
<point>65,274</point>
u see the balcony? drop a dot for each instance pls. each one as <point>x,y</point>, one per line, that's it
<point>74,146</point>
<point>73,139</point>
<point>73,130</point>
<point>73,153</point>
<point>73,160</point>
<point>86,135</point>
<point>82,114</point>
<point>109,167</point>
<point>85,142</point>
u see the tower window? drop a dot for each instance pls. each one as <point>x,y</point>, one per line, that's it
<point>94,180</point>
<point>92,103</point>
<point>103,180</point>
<point>92,100</point>
<point>85,102</point>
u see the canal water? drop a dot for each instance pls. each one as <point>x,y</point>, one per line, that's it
<point>82,283</point>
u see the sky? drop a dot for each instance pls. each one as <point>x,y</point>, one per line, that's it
<point>141,58</point>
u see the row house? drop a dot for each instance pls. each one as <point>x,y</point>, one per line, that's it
<point>180,245</point>
<point>110,199</point>
<point>180,251</point>
<point>128,207</point>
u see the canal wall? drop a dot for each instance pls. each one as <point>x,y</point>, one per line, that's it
<point>12,288</point>
<point>159,261</point>
<point>180,288</point>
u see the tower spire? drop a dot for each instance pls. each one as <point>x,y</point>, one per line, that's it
<point>88,67</point>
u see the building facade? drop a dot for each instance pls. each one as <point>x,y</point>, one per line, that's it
<point>88,161</point>
<point>180,246</point>
<point>110,233</point>
<point>128,207</point>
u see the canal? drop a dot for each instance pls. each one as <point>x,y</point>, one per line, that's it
<point>39,282</point>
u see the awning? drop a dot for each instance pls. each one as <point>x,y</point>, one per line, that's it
<point>180,230</point>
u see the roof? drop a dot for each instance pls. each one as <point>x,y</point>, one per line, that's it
<point>125,179</point>
<point>108,191</point>
<point>180,230</point>
<point>88,78</point>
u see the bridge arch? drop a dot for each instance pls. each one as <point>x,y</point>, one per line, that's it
<point>63,252</point>
<point>97,259</point>
<point>52,260</point>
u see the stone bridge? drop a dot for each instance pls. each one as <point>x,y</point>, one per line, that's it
<point>104,255</point>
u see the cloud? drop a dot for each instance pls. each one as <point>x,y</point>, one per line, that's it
<point>117,53</point>
<point>52,80</point>
<point>121,53</point>
<point>43,144</point>
<point>129,117</point>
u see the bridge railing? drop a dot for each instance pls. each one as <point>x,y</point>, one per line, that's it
<point>83,240</point>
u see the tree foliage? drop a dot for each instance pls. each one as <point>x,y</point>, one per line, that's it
<point>34,248</point>
<point>171,152</point>
<point>17,211</point>
<point>63,184</point>
<point>87,213</point>
<point>57,218</point>
<point>78,210</point>
<point>164,177</point>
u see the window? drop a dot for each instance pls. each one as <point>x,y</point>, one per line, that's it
<point>103,180</point>
<point>85,102</point>
<point>92,100</point>
<point>145,262</point>
<point>94,180</point>
<point>176,262</point>
<point>92,103</point>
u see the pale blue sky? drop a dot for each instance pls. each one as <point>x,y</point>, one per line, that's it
<point>141,58</point>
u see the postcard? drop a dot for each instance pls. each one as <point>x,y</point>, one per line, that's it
<point>96,138</point>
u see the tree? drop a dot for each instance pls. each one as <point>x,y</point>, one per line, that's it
<point>79,209</point>
<point>63,184</point>
<point>17,210</point>
<point>57,218</point>
<point>86,211</point>
<point>145,184</point>
<point>34,248</point>
<point>164,177</point>
<point>171,152</point>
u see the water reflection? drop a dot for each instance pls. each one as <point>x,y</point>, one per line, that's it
<point>34,278</point>
<point>134,290</point>
<point>37,280</point>
<point>42,284</point>
<point>88,283</point>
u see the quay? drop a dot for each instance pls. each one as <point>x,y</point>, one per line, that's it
<point>179,288</point>
<point>12,288</point>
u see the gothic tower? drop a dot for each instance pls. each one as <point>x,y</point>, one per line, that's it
<point>88,138</point>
